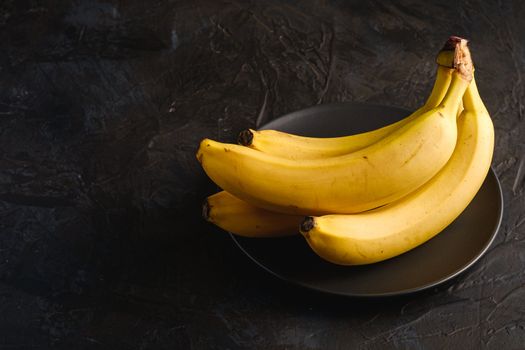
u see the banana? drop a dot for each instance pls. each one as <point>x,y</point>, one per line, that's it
<point>371,177</point>
<point>398,227</point>
<point>238,217</point>
<point>292,146</point>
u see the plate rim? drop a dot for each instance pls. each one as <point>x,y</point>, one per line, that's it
<point>451,276</point>
<point>291,114</point>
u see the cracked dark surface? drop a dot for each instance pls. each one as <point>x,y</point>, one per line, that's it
<point>102,106</point>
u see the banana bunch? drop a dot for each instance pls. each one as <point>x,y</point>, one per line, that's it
<point>361,198</point>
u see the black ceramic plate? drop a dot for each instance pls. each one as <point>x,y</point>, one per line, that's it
<point>445,256</point>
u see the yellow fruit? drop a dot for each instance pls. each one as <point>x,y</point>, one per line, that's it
<point>292,146</point>
<point>371,177</point>
<point>238,217</point>
<point>398,227</point>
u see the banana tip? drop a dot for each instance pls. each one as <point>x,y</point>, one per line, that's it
<point>307,224</point>
<point>204,143</point>
<point>245,137</point>
<point>206,210</point>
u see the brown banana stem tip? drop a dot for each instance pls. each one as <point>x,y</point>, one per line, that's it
<point>446,56</point>
<point>463,61</point>
<point>451,43</point>
<point>245,138</point>
<point>206,210</point>
<point>456,54</point>
<point>307,224</point>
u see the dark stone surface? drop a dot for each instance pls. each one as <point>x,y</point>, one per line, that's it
<point>102,106</point>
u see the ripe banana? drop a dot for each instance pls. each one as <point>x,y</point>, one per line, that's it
<point>236,216</point>
<point>371,177</point>
<point>292,146</point>
<point>398,227</point>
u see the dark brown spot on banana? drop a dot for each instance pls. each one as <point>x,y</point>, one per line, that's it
<point>414,153</point>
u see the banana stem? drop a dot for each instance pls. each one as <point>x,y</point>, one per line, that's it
<point>472,100</point>
<point>446,56</point>
<point>443,74</point>
<point>463,61</point>
<point>454,94</point>
<point>462,76</point>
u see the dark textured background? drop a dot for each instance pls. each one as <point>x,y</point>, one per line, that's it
<point>102,106</point>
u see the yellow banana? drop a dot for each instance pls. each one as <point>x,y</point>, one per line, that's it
<point>242,218</point>
<point>238,217</point>
<point>398,227</point>
<point>371,177</point>
<point>292,146</point>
